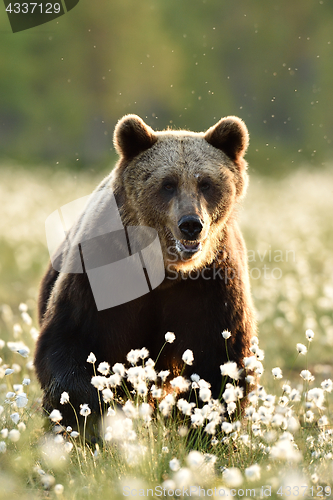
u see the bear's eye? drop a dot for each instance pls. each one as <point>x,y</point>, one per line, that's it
<point>204,186</point>
<point>169,187</point>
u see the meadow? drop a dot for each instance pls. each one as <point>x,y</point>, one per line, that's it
<point>281,447</point>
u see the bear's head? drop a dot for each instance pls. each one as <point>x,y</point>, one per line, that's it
<point>183,184</point>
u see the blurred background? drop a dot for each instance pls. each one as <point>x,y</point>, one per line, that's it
<point>182,64</point>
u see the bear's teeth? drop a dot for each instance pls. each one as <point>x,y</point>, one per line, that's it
<point>190,247</point>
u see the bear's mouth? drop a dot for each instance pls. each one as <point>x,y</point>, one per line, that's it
<point>190,247</point>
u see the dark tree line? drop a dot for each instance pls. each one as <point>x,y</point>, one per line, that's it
<point>180,63</point>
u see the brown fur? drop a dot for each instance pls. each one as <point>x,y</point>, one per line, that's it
<point>161,177</point>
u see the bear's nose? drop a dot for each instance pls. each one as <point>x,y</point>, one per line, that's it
<point>190,226</point>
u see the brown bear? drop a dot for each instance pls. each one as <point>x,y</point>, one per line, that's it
<point>187,187</point>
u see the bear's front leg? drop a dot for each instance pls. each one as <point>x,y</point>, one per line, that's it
<point>61,366</point>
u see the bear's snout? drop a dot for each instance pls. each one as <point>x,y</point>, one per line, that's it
<point>190,227</point>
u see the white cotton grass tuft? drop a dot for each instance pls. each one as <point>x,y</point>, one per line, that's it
<point>180,383</point>
<point>283,401</point>
<point>55,416</point>
<point>58,489</point>
<point>205,394</point>
<point>188,357</point>
<point>307,375</point>
<point>21,400</point>
<point>17,330</point>
<point>292,425</point>
<point>295,394</point>
<point>286,388</point>
<point>250,362</point>
<point>170,337</point>
<point>309,334</point>
<point>211,428</point>
<point>21,426</point>
<point>119,369</point>
<point>327,385</point>
<point>230,369</point>
<point>284,449</point>
<point>196,418</point>
<point>231,407</point>
<point>133,356</point>
<point>185,407</point>
<point>301,349</point>
<point>107,395</point>
<point>14,435</point>
<point>142,389</point>
<point>34,333</point>
<point>99,382</point>
<point>47,481</point>
<point>227,427</point>
<point>145,412</point>
<point>91,358</point>
<point>24,352</point>
<point>111,412</point>
<point>226,334</point>
<point>259,354</point>
<point>64,398</point>
<point>195,459</point>
<point>232,477</point>
<point>15,417</point>
<point>183,478</point>
<point>23,307</point>
<point>309,417</point>
<point>156,392</point>
<point>4,433</point>
<point>143,353</point>
<point>85,411</point>
<point>229,394</point>
<point>163,374</point>
<point>26,318</point>
<point>174,464</point>
<point>249,379</point>
<point>323,421</point>
<point>253,473</point>
<point>317,396</point>
<point>113,380</point>
<point>277,373</point>
<point>104,368</point>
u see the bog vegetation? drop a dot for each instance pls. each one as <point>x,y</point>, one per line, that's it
<point>280,447</point>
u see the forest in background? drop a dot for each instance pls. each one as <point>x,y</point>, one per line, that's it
<point>182,64</point>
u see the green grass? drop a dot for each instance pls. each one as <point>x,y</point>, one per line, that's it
<point>287,227</point>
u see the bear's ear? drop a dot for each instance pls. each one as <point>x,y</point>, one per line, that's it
<point>230,135</point>
<point>132,136</point>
